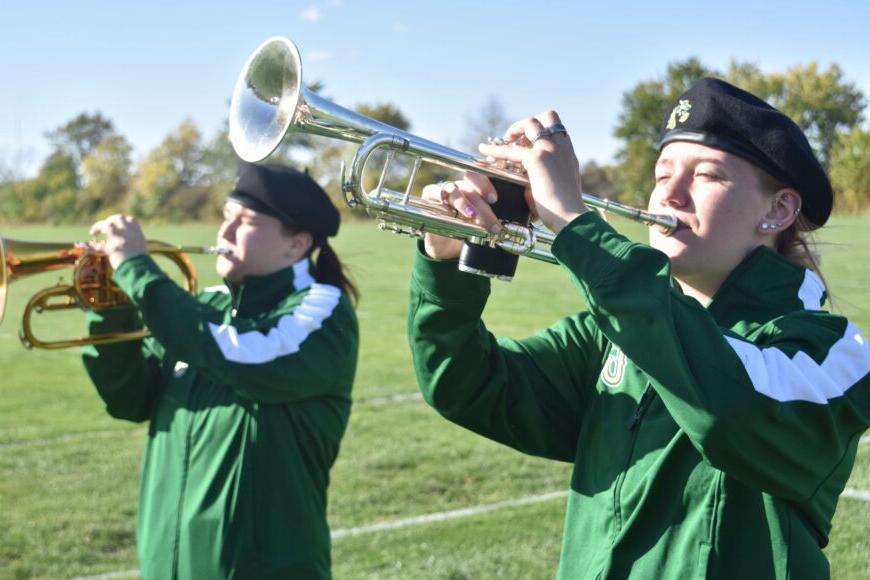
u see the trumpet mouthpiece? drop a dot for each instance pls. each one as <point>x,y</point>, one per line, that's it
<point>205,250</point>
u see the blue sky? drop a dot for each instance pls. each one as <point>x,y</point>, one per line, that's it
<point>150,65</point>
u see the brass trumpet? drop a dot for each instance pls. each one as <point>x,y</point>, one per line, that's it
<point>270,100</point>
<point>91,287</point>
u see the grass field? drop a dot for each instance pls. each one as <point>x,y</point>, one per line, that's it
<point>69,473</point>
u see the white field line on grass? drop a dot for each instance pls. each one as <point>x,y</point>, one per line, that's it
<point>398,524</point>
<point>111,575</point>
<point>448,515</point>
<point>72,437</point>
<point>393,399</point>
<point>860,494</point>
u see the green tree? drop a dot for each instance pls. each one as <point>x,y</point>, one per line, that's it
<point>220,164</point>
<point>749,77</point>
<point>80,135</point>
<point>850,170</point>
<point>598,180</point>
<point>822,103</point>
<point>168,183</point>
<point>12,198</point>
<point>9,203</point>
<point>52,194</point>
<point>105,177</point>
<point>639,126</point>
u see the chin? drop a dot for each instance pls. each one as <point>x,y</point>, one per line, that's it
<point>682,261</point>
<point>227,270</point>
<point>669,246</point>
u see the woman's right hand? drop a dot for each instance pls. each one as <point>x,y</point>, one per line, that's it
<point>470,197</point>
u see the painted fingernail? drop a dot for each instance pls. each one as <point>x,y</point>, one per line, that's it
<point>492,198</point>
<point>469,211</point>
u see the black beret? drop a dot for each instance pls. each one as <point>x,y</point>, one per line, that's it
<point>287,194</point>
<point>719,115</point>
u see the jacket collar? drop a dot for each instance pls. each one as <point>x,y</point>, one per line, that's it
<point>260,293</point>
<point>763,286</point>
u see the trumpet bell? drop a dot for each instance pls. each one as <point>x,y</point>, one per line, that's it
<point>20,258</point>
<point>265,99</point>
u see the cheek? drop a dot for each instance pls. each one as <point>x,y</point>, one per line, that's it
<point>731,219</point>
<point>243,238</point>
<point>652,204</point>
<point>714,211</point>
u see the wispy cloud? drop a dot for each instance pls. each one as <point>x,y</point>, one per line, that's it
<point>317,56</point>
<point>311,14</point>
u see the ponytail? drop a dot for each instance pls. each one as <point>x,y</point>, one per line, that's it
<point>328,269</point>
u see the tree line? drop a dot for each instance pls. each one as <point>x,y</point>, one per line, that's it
<point>90,171</point>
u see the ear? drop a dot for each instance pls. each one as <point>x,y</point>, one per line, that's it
<point>299,243</point>
<point>784,209</point>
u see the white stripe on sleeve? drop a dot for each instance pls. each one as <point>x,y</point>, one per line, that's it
<point>800,378</point>
<point>811,291</point>
<point>302,277</point>
<point>285,338</point>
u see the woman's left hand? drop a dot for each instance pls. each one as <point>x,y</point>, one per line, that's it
<point>552,167</point>
<point>124,238</point>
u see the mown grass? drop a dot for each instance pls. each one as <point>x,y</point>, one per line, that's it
<point>70,473</point>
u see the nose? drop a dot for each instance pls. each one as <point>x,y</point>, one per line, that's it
<point>228,230</point>
<point>673,192</point>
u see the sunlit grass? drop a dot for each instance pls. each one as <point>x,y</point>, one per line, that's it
<point>70,473</point>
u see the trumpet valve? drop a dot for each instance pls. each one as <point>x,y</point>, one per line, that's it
<point>397,229</point>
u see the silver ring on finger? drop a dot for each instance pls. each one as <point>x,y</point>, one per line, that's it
<point>557,128</point>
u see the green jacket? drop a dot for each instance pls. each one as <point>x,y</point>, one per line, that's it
<point>706,442</point>
<point>247,391</point>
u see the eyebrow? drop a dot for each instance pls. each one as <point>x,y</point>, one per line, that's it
<point>241,212</point>
<point>695,160</point>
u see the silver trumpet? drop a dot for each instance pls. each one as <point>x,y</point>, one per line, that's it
<point>270,100</point>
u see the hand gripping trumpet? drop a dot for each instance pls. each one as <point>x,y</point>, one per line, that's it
<point>91,287</point>
<point>270,100</point>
